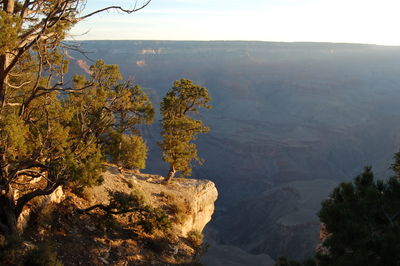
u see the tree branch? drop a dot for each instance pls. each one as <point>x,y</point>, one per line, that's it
<point>119,8</point>
<point>109,209</point>
<point>22,201</point>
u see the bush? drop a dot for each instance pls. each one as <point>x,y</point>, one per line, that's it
<point>143,214</point>
<point>362,219</point>
<point>154,219</point>
<point>196,238</point>
<point>176,207</point>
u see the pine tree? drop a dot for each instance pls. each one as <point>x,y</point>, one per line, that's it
<point>179,129</point>
<point>363,221</point>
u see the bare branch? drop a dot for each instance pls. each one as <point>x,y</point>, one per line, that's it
<point>22,201</point>
<point>119,8</point>
<point>18,86</point>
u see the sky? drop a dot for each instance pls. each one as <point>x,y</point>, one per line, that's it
<point>348,21</point>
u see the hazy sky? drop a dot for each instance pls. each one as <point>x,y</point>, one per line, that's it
<point>355,21</point>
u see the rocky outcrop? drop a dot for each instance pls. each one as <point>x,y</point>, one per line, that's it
<point>196,197</point>
<point>203,194</point>
<point>56,197</point>
<point>323,235</point>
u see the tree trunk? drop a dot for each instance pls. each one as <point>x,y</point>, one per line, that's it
<point>4,62</point>
<point>5,59</point>
<point>9,6</point>
<point>171,174</point>
<point>8,217</point>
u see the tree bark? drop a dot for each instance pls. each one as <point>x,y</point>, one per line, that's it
<point>9,6</point>
<point>171,174</point>
<point>4,63</point>
<point>8,217</point>
<point>5,59</point>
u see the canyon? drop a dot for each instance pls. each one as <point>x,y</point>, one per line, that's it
<point>290,121</point>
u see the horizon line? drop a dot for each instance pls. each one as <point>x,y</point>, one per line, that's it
<point>285,42</point>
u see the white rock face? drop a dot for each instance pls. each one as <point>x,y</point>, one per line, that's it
<point>56,197</point>
<point>203,195</point>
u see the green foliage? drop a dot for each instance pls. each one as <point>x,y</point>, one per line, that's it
<point>196,238</point>
<point>113,111</point>
<point>10,26</point>
<point>363,219</point>
<point>143,214</point>
<point>13,135</point>
<point>128,151</point>
<point>154,219</point>
<point>179,129</point>
<point>68,135</point>
<point>123,202</point>
<point>83,170</point>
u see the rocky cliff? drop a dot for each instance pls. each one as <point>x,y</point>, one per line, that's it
<point>119,239</point>
<point>193,197</point>
<point>201,195</point>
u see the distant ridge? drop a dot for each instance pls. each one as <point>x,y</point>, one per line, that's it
<point>239,42</point>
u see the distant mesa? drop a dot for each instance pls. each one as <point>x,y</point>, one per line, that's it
<point>141,63</point>
<point>84,66</point>
<point>151,51</point>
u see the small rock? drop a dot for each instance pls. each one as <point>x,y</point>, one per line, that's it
<point>103,260</point>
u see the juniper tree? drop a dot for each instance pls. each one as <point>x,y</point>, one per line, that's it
<point>49,132</point>
<point>180,129</point>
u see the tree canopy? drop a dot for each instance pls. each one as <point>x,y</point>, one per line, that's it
<point>54,132</point>
<point>178,107</point>
<point>363,222</point>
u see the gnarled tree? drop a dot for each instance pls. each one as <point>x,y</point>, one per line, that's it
<point>180,129</point>
<point>51,133</point>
